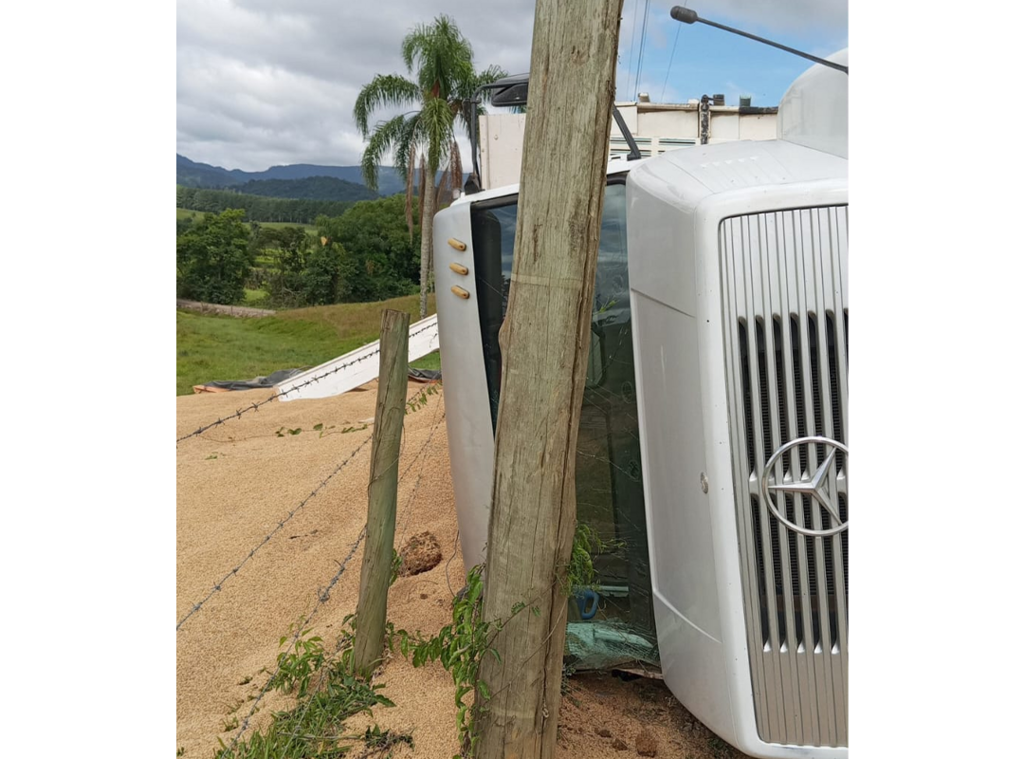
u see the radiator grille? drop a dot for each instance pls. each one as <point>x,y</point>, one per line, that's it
<point>785,338</point>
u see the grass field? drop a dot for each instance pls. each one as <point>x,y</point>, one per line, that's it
<point>184,213</point>
<point>227,348</point>
<point>254,297</point>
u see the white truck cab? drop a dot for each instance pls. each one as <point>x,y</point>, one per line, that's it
<point>712,444</point>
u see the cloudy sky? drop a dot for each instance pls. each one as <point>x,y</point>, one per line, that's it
<point>267,82</point>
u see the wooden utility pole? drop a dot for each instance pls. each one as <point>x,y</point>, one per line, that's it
<point>392,386</point>
<point>544,343</point>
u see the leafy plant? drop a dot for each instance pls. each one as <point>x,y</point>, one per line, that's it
<point>378,741</point>
<point>396,566</point>
<point>321,429</point>
<point>580,573</point>
<point>314,727</point>
<point>299,663</point>
<point>420,400</point>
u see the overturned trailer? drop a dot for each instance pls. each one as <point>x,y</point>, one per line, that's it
<point>712,448</point>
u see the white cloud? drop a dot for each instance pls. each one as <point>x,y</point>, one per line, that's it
<point>274,81</point>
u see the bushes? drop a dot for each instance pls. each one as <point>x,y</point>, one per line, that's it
<point>367,254</point>
<point>214,258</point>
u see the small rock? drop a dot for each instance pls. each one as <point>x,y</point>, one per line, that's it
<point>646,743</point>
<point>419,554</point>
<point>604,732</point>
<point>424,596</point>
<point>619,745</point>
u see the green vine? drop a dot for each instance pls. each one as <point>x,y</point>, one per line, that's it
<point>420,399</point>
<point>314,727</point>
<point>461,646</point>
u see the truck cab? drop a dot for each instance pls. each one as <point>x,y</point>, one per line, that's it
<point>712,456</point>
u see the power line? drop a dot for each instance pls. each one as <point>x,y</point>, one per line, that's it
<point>632,40</point>
<point>670,59</point>
<point>643,47</point>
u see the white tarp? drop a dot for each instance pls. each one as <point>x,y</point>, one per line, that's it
<point>356,368</point>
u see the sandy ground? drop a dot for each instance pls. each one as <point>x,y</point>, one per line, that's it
<point>239,481</point>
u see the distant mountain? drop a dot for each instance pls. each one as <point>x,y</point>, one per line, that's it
<point>309,188</point>
<point>193,174</point>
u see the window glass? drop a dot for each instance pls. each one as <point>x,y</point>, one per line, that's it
<point>609,488</point>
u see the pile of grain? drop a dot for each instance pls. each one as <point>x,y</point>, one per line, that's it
<point>239,481</point>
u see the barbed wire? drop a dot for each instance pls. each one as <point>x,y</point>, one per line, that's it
<point>416,487</point>
<point>256,406</point>
<point>322,597</point>
<point>324,594</point>
<point>408,511</point>
<point>280,526</point>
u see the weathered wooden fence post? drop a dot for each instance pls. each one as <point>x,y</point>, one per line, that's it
<point>544,343</point>
<point>371,610</point>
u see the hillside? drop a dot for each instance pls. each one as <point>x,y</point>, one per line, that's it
<point>259,207</point>
<point>195,174</point>
<point>307,188</point>
<point>223,348</point>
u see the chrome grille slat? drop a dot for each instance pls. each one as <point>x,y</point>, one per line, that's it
<point>808,267</point>
<point>780,535</point>
<point>741,469</point>
<point>752,295</point>
<point>785,339</point>
<point>789,307</point>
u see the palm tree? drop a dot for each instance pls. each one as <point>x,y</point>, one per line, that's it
<point>441,87</point>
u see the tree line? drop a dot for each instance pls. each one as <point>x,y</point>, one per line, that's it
<point>368,253</point>
<point>307,188</point>
<point>259,208</point>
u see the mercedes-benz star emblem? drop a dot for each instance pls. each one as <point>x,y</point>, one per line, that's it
<point>819,486</point>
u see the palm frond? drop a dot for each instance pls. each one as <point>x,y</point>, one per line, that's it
<point>407,147</point>
<point>451,179</point>
<point>386,136</point>
<point>385,90</point>
<point>467,88</point>
<point>440,55</point>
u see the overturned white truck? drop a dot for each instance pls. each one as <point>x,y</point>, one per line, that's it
<point>712,447</point>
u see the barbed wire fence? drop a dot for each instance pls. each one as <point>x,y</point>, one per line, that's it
<point>323,595</point>
<point>280,526</point>
<point>322,598</point>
